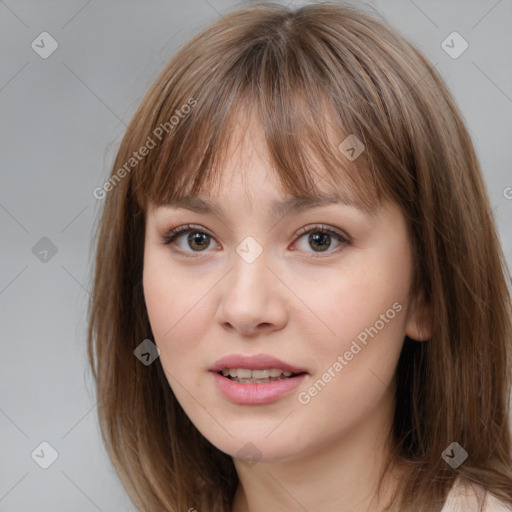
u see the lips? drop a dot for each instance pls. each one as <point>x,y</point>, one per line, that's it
<point>249,391</point>
<point>254,362</point>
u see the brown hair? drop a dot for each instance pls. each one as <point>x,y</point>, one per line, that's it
<point>313,75</point>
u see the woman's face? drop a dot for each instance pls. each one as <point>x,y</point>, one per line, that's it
<point>249,287</point>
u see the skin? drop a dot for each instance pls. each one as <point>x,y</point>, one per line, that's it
<point>328,454</point>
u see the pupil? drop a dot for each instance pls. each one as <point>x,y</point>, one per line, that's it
<point>320,237</point>
<point>194,237</point>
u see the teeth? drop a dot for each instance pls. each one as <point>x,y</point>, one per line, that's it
<point>242,373</point>
<point>259,375</point>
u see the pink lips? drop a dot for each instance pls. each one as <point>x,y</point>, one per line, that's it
<point>254,362</point>
<point>255,393</point>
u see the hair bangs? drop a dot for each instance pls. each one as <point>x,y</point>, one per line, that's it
<point>311,137</point>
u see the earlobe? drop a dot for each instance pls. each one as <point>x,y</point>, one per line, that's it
<point>419,323</point>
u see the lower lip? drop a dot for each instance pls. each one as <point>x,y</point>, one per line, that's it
<point>254,393</point>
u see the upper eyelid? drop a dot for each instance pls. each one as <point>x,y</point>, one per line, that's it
<point>181,229</point>
<point>309,210</point>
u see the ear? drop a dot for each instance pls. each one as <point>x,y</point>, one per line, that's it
<point>419,319</point>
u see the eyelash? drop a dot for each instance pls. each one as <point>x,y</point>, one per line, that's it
<point>172,235</point>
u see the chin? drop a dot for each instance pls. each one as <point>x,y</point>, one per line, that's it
<point>253,446</point>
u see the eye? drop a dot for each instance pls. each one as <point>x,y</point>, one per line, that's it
<point>197,238</point>
<point>320,237</point>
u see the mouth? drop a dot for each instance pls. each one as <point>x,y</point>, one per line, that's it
<point>259,389</point>
<point>256,378</point>
<point>260,376</point>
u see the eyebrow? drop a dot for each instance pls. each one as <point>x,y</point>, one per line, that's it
<point>278,208</point>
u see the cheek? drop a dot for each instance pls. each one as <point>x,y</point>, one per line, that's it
<point>356,365</point>
<point>345,306</point>
<point>174,308</point>
<point>177,314</point>
<point>167,312</point>
<point>161,304</point>
<point>365,314</point>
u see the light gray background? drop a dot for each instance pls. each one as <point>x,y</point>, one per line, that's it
<point>62,119</point>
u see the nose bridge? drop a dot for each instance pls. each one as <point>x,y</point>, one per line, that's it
<point>250,295</point>
<point>249,272</point>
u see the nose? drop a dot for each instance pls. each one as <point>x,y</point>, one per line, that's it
<point>253,298</point>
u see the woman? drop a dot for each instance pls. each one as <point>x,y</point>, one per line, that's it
<point>300,300</point>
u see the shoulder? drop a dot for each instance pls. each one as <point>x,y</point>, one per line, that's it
<point>493,504</point>
<point>469,497</point>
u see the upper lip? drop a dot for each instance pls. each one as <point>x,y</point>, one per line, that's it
<point>254,362</point>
